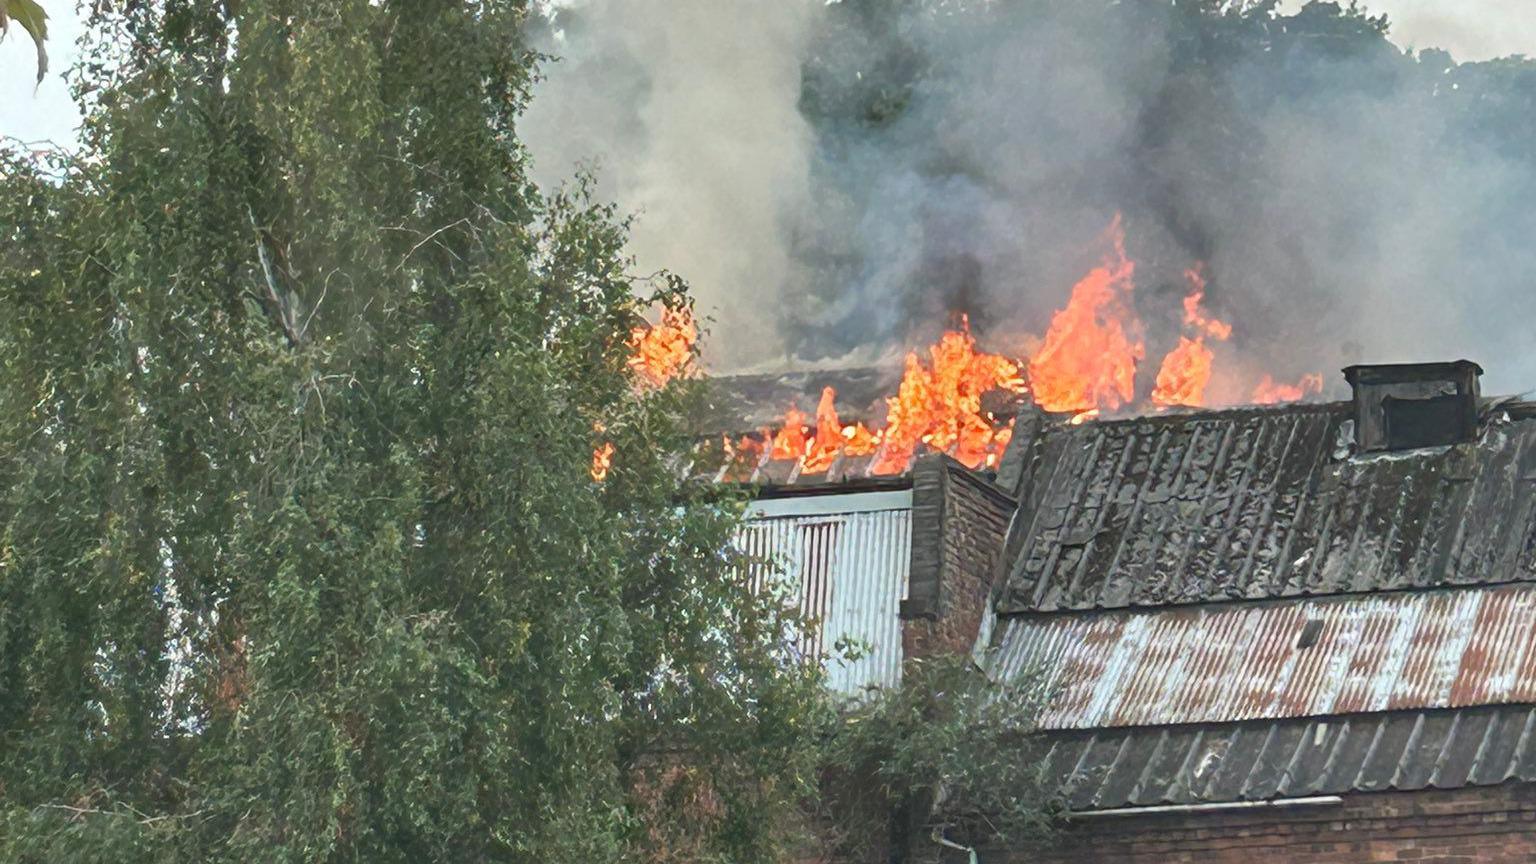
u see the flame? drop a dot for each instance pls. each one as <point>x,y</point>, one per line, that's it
<point>1091,350</point>
<point>822,449</point>
<point>657,353</point>
<point>1194,315</point>
<point>662,351</point>
<point>1270,391</point>
<point>904,416</point>
<point>790,441</point>
<point>860,441</point>
<point>743,455</point>
<point>1186,370</point>
<point>602,460</point>
<point>1086,365</point>
<point>937,406</point>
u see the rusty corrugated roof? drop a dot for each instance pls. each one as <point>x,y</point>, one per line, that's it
<point>1405,650</point>
<point>1260,502</point>
<point>1228,606</point>
<point>1274,759</point>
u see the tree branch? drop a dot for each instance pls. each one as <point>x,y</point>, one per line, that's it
<point>277,304</point>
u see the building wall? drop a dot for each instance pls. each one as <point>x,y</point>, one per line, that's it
<point>959,524</point>
<point>1479,825</point>
<point>845,557</point>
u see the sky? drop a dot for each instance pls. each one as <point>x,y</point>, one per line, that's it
<point>1469,29</point>
<point>37,114</point>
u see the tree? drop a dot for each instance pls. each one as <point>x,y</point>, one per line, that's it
<point>948,757</point>
<point>32,19</point>
<point>300,557</point>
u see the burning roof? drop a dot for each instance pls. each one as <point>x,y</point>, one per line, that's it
<point>954,396</point>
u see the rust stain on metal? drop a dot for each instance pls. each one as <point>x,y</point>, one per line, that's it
<point>843,561</point>
<point>1449,648</point>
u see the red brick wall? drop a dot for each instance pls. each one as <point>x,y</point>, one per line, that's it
<point>1485,825</point>
<point>959,523</point>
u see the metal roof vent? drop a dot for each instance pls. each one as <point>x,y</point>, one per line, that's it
<point>1405,406</point>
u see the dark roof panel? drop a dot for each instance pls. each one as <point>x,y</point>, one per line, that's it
<point>1383,765</point>
<point>1267,760</point>
<point>1503,742</point>
<point>1261,502</point>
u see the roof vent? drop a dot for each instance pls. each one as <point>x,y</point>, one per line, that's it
<point>1406,406</point>
<point>1309,634</point>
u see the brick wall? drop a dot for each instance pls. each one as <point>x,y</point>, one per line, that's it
<point>959,523</point>
<point>1479,825</point>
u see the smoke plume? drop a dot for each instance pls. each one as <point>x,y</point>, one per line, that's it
<point>843,178</point>
<point>686,109</point>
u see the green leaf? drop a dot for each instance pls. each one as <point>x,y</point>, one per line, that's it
<point>32,19</point>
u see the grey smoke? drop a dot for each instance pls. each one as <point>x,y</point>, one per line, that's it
<point>832,183</point>
<point>687,111</point>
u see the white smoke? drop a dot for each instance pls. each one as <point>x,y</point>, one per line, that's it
<point>687,108</point>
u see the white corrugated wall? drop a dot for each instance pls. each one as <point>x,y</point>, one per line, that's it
<point>846,557</point>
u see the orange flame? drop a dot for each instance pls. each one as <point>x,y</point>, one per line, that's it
<point>860,441</point>
<point>1091,350</point>
<point>1186,370</point>
<point>1184,374</point>
<point>657,353</point>
<point>790,442</point>
<point>940,404</point>
<point>1086,366</point>
<point>1271,391</point>
<point>937,405</point>
<point>822,449</point>
<point>660,352</point>
<point>1194,314</point>
<point>602,460</point>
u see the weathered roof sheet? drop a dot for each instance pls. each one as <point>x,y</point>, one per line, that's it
<point>1264,760</point>
<point>1261,502</point>
<point>1342,655</point>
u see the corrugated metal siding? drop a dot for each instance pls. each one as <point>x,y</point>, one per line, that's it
<point>1408,650</point>
<point>847,569</point>
<point>1265,760</point>
<point>1262,503</point>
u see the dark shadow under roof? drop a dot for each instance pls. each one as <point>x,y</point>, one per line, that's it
<point>1257,503</point>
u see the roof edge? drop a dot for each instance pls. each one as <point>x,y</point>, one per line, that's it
<point>769,491</point>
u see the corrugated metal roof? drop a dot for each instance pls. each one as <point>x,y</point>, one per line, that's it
<point>1265,760</point>
<point>1437,649</point>
<point>1257,503</point>
<point>846,558</point>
